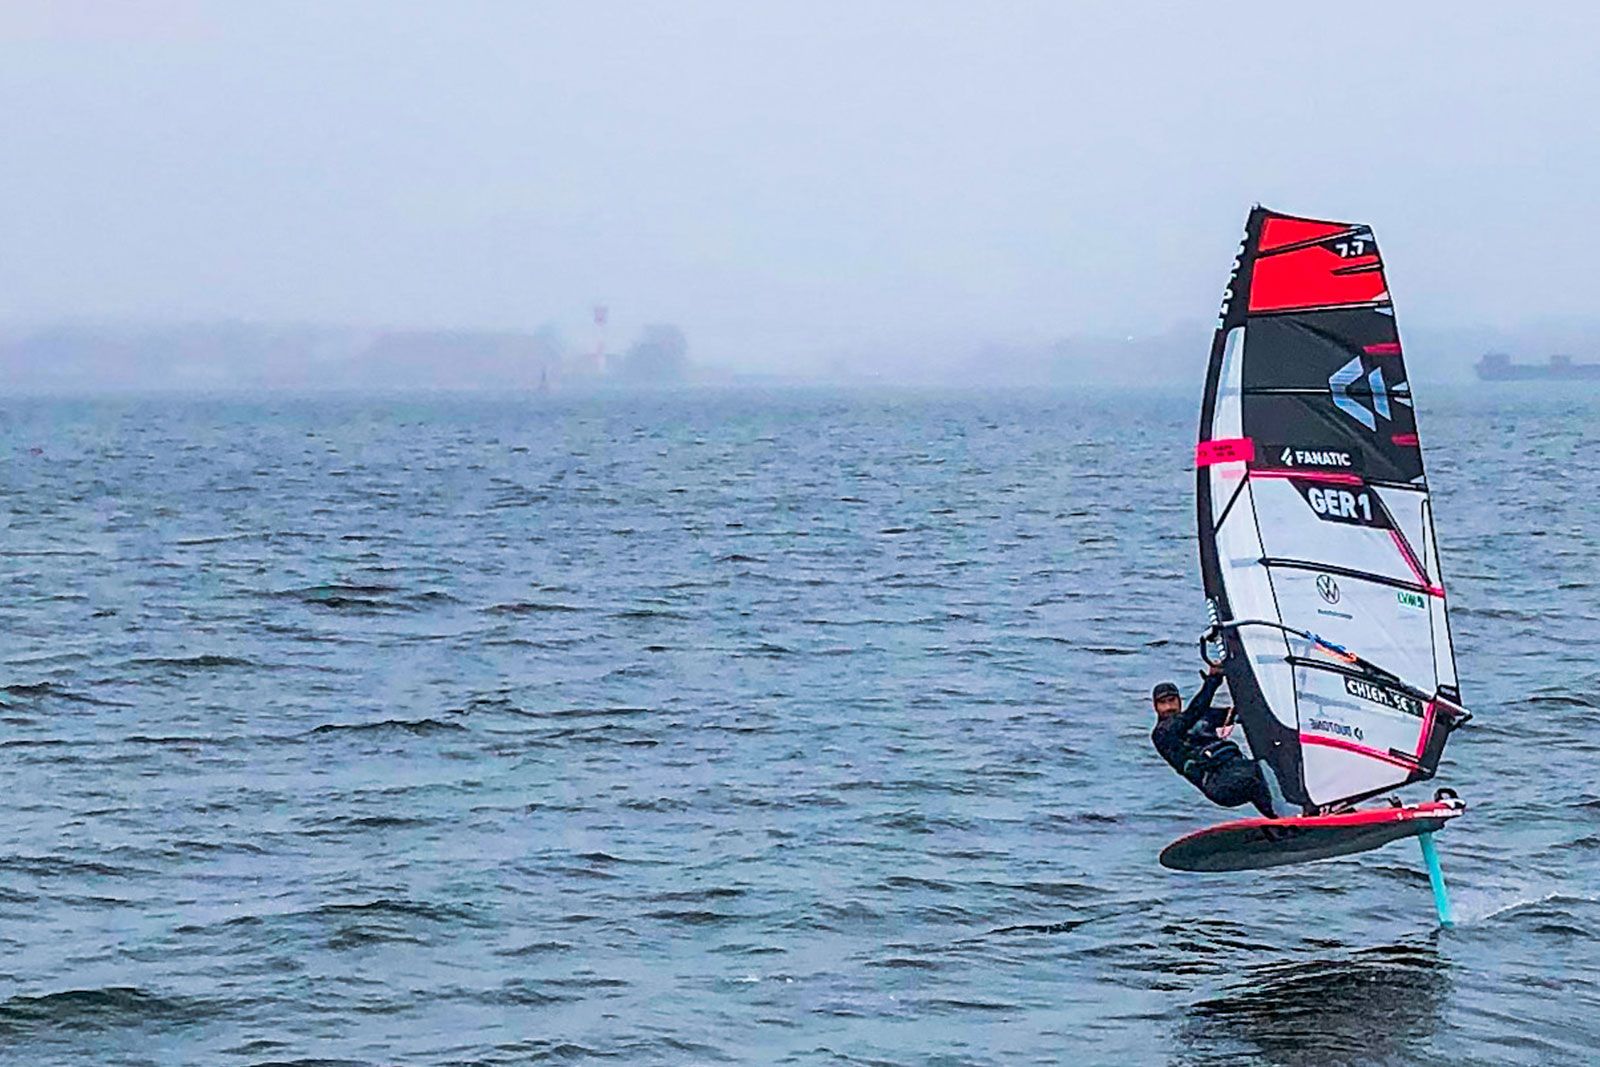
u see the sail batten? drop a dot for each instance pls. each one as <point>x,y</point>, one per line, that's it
<point>1315,520</point>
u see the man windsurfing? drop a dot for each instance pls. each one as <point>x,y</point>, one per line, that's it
<point>1191,742</point>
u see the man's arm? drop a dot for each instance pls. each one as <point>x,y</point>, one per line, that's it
<point>1215,719</point>
<point>1200,703</point>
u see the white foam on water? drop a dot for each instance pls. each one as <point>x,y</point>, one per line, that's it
<point>1473,907</point>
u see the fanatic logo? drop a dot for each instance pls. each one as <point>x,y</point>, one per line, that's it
<point>1319,457</point>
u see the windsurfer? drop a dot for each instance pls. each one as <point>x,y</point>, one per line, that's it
<point>1190,741</point>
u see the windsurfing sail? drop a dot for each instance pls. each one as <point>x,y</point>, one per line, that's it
<point>1317,546</point>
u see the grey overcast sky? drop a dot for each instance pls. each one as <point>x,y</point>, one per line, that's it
<point>782,178</point>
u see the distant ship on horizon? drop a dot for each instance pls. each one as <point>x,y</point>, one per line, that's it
<point>1497,367</point>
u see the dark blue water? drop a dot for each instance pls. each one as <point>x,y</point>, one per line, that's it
<point>740,727</point>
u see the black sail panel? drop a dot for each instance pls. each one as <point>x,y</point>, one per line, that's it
<point>1333,380</point>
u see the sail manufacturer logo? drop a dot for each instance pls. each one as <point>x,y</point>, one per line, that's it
<point>1382,694</point>
<point>1303,457</point>
<point>1339,383</point>
<point>1408,599</point>
<point>1233,278</point>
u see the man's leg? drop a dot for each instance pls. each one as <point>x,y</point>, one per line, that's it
<point>1262,798</point>
<point>1253,784</point>
<point>1275,798</point>
<point>1238,781</point>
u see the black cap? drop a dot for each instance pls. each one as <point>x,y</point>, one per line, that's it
<point>1165,689</point>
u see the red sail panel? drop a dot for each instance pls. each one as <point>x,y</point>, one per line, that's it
<point>1332,274</point>
<point>1278,231</point>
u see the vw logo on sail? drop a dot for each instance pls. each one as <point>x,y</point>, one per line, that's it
<point>1327,588</point>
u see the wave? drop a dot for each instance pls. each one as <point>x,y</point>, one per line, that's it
<point>340,824</point>
<point>199,662</point>
<point>601,857</point>
<point>52,691</point>
<point>650,613</point>
<point>1566,700</point>
<point>306,1061</point>
<point>109,1006</point>
<point>693,896</point>
<point>395,907</point>
<point>766,648</point>
<point>525,992</point>
<point>219,539</point>
<point>603,733</point>
<point>174,739</point>
<point>590,713</point>
<point>189,846</point>
<point>1479,908</point>
<point>949,1004</point>
<point>347,596</point>
<point>418,727</point>
<point>905,963</point>
<point>530,607</point>
<point>327,590</point>
<point>544,1050</point>
<point>693,916</point>
<point>62,866</point>
<point>535,948</point>
<point>907,881</point>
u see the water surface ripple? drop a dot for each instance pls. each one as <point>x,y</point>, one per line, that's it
<point>732,727</point>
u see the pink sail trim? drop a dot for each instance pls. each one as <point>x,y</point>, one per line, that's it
<point>1330,477</point>
<point>1427,726</point>
<point>1360,750</point>
<point>1388,348</point>
<point>1416,566</point>
<point>1224,450</point>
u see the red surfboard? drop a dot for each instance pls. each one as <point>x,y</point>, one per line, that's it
<point>1251,844</point>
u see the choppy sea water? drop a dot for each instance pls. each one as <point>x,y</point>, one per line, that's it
<point>746,727</point>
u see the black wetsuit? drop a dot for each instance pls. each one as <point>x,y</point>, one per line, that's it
<point>1189,741</point>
